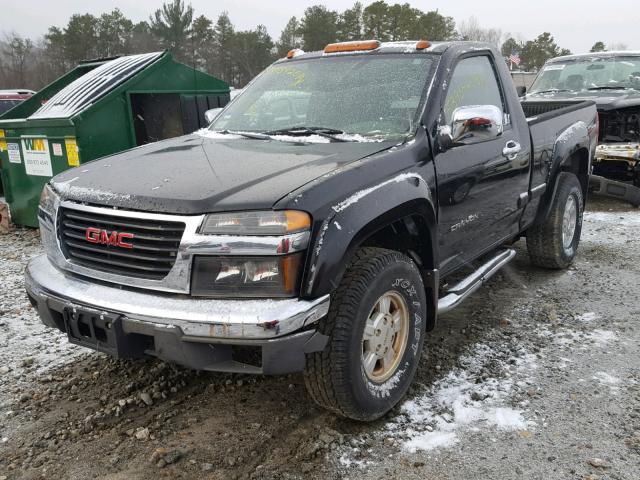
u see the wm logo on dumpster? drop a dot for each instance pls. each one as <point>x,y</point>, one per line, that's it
<point>35,144</point>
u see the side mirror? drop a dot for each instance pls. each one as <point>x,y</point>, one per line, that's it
<point>521,91</point>
<point>210,115</point>
<point>470,125</point>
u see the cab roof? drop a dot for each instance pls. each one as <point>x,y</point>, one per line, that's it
<point>582,56</point>
<point>408,47</point>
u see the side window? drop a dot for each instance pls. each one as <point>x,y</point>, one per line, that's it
<point>473,83</point>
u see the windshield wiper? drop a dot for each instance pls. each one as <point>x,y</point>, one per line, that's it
<point>610,87</point>
<point>256,136</point>
<point>553,90</point>
<point>326,132</point>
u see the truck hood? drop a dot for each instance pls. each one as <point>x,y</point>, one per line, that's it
<point>606,100</point>
<point>196,174</point>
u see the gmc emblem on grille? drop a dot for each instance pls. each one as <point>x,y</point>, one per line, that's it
<point>105,237</point>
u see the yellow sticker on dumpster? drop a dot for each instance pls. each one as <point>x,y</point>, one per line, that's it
<point>3,142</point>
<point>73,159</point>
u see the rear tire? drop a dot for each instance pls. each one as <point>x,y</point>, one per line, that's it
<point>376,324</point>
<point>554,242</point>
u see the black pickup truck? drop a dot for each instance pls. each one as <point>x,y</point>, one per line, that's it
<point>319,224</point>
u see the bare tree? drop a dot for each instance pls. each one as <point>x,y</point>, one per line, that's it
<point>471,30</point>
<point>16,52</point>
<point>617,47</point>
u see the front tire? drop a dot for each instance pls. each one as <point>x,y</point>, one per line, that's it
<point>376,324</point>
<point>554,242</point>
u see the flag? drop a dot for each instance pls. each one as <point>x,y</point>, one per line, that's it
<point>514,58</point>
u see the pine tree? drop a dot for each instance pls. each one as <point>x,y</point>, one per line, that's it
<point>114,34</point>
<point>223,38</point>
<point>375,19</point>
<point>289,38</point>
<point>318,27</point>
<point>80,38</point>
<point>350,24</point>
<point>201,43</point>
<point>171,24</point>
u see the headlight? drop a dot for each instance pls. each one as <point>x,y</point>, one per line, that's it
<point>48,200</point>
<point>256,223</point>
<point>276,276</point>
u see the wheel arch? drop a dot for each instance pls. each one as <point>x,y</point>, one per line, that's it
<point>409,227</point>
<point>572,154</point>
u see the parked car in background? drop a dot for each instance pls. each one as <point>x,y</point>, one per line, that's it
<point>11,98</point>
<point>612,80</point>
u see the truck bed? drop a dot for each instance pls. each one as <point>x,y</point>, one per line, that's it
<point>538,111</point>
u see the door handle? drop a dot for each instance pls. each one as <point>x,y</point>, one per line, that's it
<point>511,150</point>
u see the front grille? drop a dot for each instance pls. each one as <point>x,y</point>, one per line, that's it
<point>154,243</point>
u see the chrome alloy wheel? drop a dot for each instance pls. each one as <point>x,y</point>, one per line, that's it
<point>569,222</point>
<point>385,337</point>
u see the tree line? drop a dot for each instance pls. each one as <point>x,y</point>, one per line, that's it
<point>236,56</point>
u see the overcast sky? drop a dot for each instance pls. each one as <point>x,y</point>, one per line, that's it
<point>576,24</point>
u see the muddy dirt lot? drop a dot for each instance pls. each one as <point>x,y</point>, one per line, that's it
<point>537,377</point>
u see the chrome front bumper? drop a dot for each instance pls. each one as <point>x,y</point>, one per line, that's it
<point>198,320</point>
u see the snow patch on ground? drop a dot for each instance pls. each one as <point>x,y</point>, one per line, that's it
<point>431,440</point>
<point>457,403</point>
<point>348,462</point>
<point>28,348</point>
<point>576,339</point>
<point>610,228</point>
<point>606,378</point>
<point>588,317</point>
<point>612,219</point>
<point>476,395</point>
<point>602,337</point>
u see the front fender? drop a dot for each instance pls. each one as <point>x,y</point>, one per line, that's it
<point>354,219</point>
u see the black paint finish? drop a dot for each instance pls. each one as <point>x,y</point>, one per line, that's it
<point>353,190</point>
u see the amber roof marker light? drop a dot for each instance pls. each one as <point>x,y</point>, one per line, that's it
<point>295,52</point>
<point>423,44</point>
<point>351,46</point>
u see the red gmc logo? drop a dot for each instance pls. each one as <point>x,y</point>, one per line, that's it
<point>105,237</point>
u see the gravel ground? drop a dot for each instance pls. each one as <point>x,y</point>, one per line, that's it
<point>535,377</point>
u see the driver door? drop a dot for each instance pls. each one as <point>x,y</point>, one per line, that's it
<point>481,168</point>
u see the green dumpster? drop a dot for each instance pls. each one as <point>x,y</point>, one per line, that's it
<point>99,108</point>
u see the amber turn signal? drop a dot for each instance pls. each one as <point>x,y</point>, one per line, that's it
<point>297,220</point>
<point>351,46</point>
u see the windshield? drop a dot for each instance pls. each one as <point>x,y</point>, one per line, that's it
<point>590,73</point>
<point>368,95</point>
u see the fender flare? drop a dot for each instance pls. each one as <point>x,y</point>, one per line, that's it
<point>353,220</point>
<point>573,139</point>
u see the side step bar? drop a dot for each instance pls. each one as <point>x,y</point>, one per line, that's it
<point>457,294</point>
